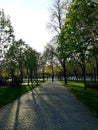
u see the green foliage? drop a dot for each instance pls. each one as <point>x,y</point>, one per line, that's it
<point>6,32</point>
<point>63,48</point>
<point>81,26</point>
<point>16,57</point>
<point>79,35</point>
<point>30,58</point>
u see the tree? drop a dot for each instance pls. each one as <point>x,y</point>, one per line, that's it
<point>6,32</point>
<point>63,52</point>
<point>78,26</point>
<point>11,62</point>
<point>43,61</point>
<point>58,12</point>
<point>20,47</point>
<point>49,52</point>
<point>15,61</point>
<point>31,63</point>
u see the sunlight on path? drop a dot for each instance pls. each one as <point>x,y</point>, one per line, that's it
<point>49,107</point>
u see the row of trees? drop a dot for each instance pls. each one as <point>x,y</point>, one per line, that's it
<point>17,59</point>
<point>73,49</point>
<point>76,24</point>
<point>79,34</point>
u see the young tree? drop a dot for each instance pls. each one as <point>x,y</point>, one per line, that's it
<point>20,53</point>
<point>15,61</point>
<point>49,52</point>
<point>31,63</point>
<point>6,32</point>
<point>11,62</point>
<point>63,52</point>
<point>43,61</point>
<point>6,35</point>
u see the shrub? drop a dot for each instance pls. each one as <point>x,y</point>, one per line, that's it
<point>3,82</point>
<point>16,82</point>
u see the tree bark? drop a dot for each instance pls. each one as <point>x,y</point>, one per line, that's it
<point>52,73</point>
<point>84,77</point>
<point>97,69</point>
<point>64,72</point>
<point>43,75</point>
<point>31,76</point>
<point>83,67</point>
<point>28,75</point>
<point>21,76</point>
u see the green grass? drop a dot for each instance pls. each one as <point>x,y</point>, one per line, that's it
<point>88,97</point>
<point>8,95</point>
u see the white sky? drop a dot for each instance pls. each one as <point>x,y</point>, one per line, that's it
<point>29,19</point>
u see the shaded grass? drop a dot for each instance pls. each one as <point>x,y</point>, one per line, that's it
<point>89,97</point>
<point>9,94</point>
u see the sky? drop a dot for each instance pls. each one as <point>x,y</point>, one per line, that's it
<point>29,19</point>
<point>96,1</point>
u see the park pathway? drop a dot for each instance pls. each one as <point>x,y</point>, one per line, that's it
<point>49,107</point>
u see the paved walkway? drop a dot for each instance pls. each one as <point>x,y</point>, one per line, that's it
<point>51,107</point>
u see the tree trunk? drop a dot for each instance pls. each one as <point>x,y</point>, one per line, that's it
<point>12,75</point>
<point>97,69</point>
<point>21,73</point>
<point>52,73</point>
<point>94,74</point>
<point>43,75</point>
<point>37,78</point>
<point>31,76</point>
<point>21,76</point>
<point>36,75</point>
<point>83,67</point>
<point>28,75</point>
<point>64,72</point>
<point>84,77</point>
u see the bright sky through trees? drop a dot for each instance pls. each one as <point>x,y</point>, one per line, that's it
<point>29,19</point>
<point>96,1</point>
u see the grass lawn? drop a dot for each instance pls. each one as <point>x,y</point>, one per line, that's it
<point>89,97</point>
<point>9,94</point>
